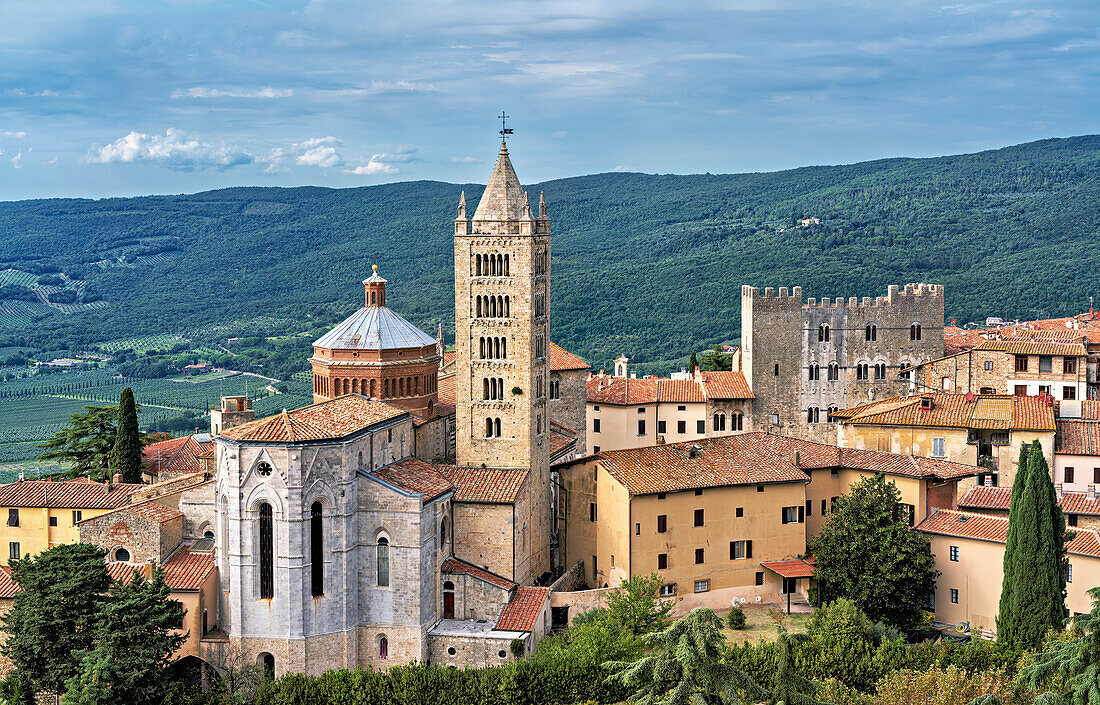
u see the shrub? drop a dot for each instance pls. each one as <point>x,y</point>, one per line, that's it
<point>519,648</point>
<point>952,686</point>
<point>736,618</point>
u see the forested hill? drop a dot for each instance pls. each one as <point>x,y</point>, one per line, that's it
<point>646,265</point>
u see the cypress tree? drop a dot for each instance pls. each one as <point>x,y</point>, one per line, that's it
<point>126,454</point>
<point>693,362</point>
<point>1038,600</point>
<point>1005,616</point>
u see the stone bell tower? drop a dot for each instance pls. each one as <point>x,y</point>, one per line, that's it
<point>502,313</point>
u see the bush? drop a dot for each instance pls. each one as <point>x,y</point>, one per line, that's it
<point>952,686</point>
<point>736,618</point>
<point>519,648</point>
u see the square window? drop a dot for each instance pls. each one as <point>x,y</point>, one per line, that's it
<point>1021,363</point>
<point>954,596</point>
<point>700,426</point>
<point>740,512</point>
<point>698,556</point>
<point>955,553</point>
<point>1069,392</point>
<point>939,447</point>
<point>759,577</point>
<point>595,407</point>
<point>702,585</point>
<point>1071,520</point>
<point>53,521</point>
<point>13,517</point>
<point>595,449</point>
<point>660,495</point>
<point>681,408</point>
<point>1096,476</point>
<point>775,419</point>
<point>641,410</point>
<point>77,516</point>
<point>698,517</point>
<point>1069,365</point>
<point>1046,363</point>
<point>662,561</point>
<point>834,473</point>
<point>668,589</point>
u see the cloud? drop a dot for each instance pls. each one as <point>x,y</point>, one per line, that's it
<point>559,134</point>
<point>319,151</point>
<point>19,134</point>
<point>24,93</point>
<point>203,92</point>
<point>374,166</point>
<point>465,160</point>
<point>175,150</point>
<point>17,161</point>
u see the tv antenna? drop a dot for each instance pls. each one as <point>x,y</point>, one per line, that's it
<point>504,129</point>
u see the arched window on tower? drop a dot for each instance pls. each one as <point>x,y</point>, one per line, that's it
<point>477,265</point>
<point>316,550</point>
<point>870,333</point>
<point>914,332</point>
<point>823,333</point>
<point>505,265</point>
<point>504,348</point>
<point>383,559</point>
<point>496,427</point>
<point>507,307</point>
<point>488,428</point>
<point>267,552</point>
<point>485,392</point>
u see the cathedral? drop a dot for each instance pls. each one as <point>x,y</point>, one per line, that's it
<point>407,513</point>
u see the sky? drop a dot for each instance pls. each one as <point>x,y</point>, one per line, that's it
<point>106,98</point>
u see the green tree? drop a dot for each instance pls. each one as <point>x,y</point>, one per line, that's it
<point>86,442</point>
<point>693,362</point>
<point>867,553</point>
<point>685,665</point>
<point>54,614</point>
<point>1073,665</point>
<point>126,453</point>
<point>637,604</point>
<point>1038,563</point>
<point>788,687</point>
<point>1012,542</point>
<point>134,642</point>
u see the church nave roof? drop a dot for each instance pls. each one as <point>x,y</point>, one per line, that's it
<point>327,420</point>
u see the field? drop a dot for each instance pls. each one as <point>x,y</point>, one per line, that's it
<point>142,343</point>
<point>9,472</point>
<point>759,625</point>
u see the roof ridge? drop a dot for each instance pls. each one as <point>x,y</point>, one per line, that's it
<point>291,436</point>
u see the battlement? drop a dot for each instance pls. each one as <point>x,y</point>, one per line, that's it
<point>768,296</point>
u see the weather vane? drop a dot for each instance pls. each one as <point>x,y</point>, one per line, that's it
<point>504,129</point>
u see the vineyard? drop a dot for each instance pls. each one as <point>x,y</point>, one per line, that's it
<point>142,343</point>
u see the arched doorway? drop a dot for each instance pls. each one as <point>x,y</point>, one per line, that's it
<point>267,661</point>
<point>448,600</point>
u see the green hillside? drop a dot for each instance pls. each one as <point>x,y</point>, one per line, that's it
<point>646,265</point>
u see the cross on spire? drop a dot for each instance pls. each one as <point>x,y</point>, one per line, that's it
<point>504,129</point>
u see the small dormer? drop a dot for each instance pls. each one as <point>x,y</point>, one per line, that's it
<point>694,450</point>
<point>926,404</point>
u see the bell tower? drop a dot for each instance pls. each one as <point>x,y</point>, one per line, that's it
<point>502,313</point>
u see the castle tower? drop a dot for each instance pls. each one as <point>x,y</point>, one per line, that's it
<point>502,307</point>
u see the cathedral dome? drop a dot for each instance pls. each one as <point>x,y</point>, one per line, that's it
<point>374,328</point>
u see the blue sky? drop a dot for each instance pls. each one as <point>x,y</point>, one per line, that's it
<point>109,97</point>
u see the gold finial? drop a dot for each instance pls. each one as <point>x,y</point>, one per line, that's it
<point>374,268</point>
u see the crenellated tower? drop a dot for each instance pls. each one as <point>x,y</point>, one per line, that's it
<point>502,313</point>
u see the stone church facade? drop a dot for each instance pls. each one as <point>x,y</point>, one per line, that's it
<point>383,524</point>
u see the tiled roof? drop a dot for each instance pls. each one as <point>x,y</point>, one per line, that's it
<point>999,498</point>
<point>503,197</point>
<point>454,566</point>
<point>1090,409</point>
<point>755,458</point>
<point>445,390</point>
<point>790,569</point>
<point>1078,438</point>
<point>621,390</point>
<point>416,477</point>
<point>7,587</point>
<point>485,485</point>
<point>74,494</point>
<point>982,411</point>
<point>187,571</point>
<point>521,614</point>
<point>326,420</point>
<point>177,455</point>
<point>1085,326</point>
<point>149,509</point>
<point>1033,347</point>
<point>987,527</point>
<point>449,358</point>
<point>562,439</point>
<point>683,391</point>
<point>726,385</point>
<point>561,359</point>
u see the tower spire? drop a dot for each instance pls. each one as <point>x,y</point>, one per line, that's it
<point>542,205</point>
<point>462,205</point>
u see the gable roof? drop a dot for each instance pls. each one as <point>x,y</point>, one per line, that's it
<point>415,477</point>
<point>561,359</point>
<point>327,420</point>
<point>79,493</point>
<point>562,440</point>
<point>620,390</point>
<point>999,499</point>
<point>1032,346</point>
<point>1077,437</point>
<point>626,391</point>
<point>455,566</point>
<point>726,385</point>
<point>185,570</point>
<point>148,509</point>
<point>987,527</point>
<point>485,485</point>
<point>177,455</point>
<point>981,411</point>
<point>522,612</point>
<point>753,459</point>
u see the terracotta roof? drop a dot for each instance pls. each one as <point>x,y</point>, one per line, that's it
<point>7,587</point>
<point>177,455</point>
<point>326,420</point>
<point>1033,347</point>
<point>683,391</point>
<point>522,613</point>
<point>148,509</point>
<point>562,439</point>
<point>726,385</point>
<point>187,571</point>
<point>791,569</point>
<point>988,527</point>
<point>620,390</point>
<point>999,498</point>
<point>755,458</point>
<point>1078,438</point>
<point>74,494</point>
<point>561,359</point>
<point>485,485</point>
<point>1085,326</point>
<point>416,477</point>
<point>449,358</point>
<point>984,411</point>
<point>454,566</point>
<point>445,390</point>
<point>1090,409</point>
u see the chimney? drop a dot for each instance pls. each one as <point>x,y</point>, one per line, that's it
<point>797,459</point>
<point>694,451</point>
<point>1092,491</point>
<point>117,478</point>
<point>1058,490</point>
<point>147,570</point>
<point>698,374</point>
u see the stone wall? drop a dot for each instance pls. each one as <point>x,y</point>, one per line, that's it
<point>484,535</point>
<point>569,407</point>
<point>472,651</point>
<point>476,599</point>
<point>199,511</point>
<point>435,439</point>
<point>144,538</point>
